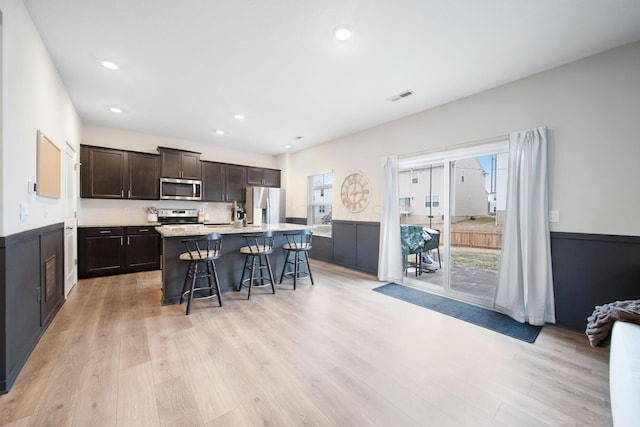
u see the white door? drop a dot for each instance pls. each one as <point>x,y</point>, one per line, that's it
<point>70,221</point>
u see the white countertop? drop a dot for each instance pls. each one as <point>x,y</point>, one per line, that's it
<point>201,230</point>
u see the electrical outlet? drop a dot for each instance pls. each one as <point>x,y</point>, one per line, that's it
<point>554,216</point>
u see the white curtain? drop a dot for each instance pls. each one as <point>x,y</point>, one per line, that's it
<point>525,282</point>
<point>390,258</point>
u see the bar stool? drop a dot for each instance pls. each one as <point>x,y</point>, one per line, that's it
<point>259,247</point>
<point>297,243</point>
<point>201,255</point>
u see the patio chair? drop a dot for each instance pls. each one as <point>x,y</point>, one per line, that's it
<point>412,243</point>
<point>432,241</point>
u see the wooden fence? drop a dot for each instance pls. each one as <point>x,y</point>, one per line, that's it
<point>476,239</point>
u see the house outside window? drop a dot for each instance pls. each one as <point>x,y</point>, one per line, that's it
<point>320,199</point>
<point>414,177</point>
<point>432,201</point>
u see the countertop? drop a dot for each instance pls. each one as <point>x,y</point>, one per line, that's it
<point>141,224</point>
<point>201,230</point>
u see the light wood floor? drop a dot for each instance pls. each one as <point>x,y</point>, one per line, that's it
<point>334,354</point>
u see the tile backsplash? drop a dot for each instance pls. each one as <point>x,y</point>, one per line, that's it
<point>134,212</point>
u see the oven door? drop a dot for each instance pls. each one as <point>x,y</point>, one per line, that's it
<point>180,189</point>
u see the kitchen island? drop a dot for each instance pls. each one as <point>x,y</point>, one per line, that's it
<point>229,266</point>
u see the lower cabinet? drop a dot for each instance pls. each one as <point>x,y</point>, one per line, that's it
<point>143,249</point>
<point>103,251</point>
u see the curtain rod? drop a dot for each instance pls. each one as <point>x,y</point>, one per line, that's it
<point>455,146</point>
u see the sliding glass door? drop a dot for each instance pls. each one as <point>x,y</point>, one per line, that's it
<point>458,197</point>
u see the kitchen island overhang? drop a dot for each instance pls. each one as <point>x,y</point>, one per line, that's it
<point>229,266</point>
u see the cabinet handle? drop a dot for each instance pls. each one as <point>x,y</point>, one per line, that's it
<point>128,241</point>
<point>105,231</point>
<point>121,241</point>
<point>143,229</point>
<point>122,193</point>
<point>129,194</point>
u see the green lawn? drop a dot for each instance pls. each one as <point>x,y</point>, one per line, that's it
<point>474,257</point>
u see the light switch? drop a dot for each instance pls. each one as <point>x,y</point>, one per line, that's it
<point>24,211</point>
<point>554,216</point>
<point>31,186</point>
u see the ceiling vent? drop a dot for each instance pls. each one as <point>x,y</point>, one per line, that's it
<point>399,96</point>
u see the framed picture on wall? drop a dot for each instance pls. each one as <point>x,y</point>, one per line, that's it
<point>49,168</point>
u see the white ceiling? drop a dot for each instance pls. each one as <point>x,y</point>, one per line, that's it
<point>186,67</point>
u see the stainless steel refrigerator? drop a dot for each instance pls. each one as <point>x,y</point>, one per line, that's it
<point>266,202</point>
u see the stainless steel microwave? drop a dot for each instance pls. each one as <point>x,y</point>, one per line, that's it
<point>180,189</point>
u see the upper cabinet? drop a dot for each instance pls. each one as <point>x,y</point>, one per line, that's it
<point>263,177</point>
<point>108,173</point>
<point>213,180</point>
<point>235,187</point>
<point>116,174</point>
<point>179,164</point>
<point>143,174</point>
<point>223,183</point>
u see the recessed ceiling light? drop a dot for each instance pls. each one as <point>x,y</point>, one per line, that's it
<point>343,32</point>
<point>239,116</point>
<point>117,110</point>
<point>219,132</point>
<point>288,146</point>
<point>110,65</point>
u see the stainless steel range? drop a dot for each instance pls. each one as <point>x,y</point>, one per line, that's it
<point>178,216</point>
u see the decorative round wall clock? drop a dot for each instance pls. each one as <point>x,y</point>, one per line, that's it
<point>354,192</point>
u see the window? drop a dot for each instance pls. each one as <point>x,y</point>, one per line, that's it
<point>432,201</point>
<point>320,201</point>
<point>414,177</point>
<point>405,202</point>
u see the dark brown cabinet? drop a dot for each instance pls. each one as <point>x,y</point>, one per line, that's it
<point>103,251</point>
<point>213,181</point>
<point>143,249</point>
<point>179,164</point>
<point>102,173</point>
<point>223,182</point>
<point>263,177</point>
<point>235,186</point>
<point>143,171</point>
<point>116,174</point>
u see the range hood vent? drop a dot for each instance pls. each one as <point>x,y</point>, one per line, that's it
<point>399,96</point>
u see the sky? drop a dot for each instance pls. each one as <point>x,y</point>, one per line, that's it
<point>485,162</point>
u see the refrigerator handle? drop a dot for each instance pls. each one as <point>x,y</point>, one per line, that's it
<point>268,218</point>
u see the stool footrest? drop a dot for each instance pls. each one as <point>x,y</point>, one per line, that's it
<point>185,293</point>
